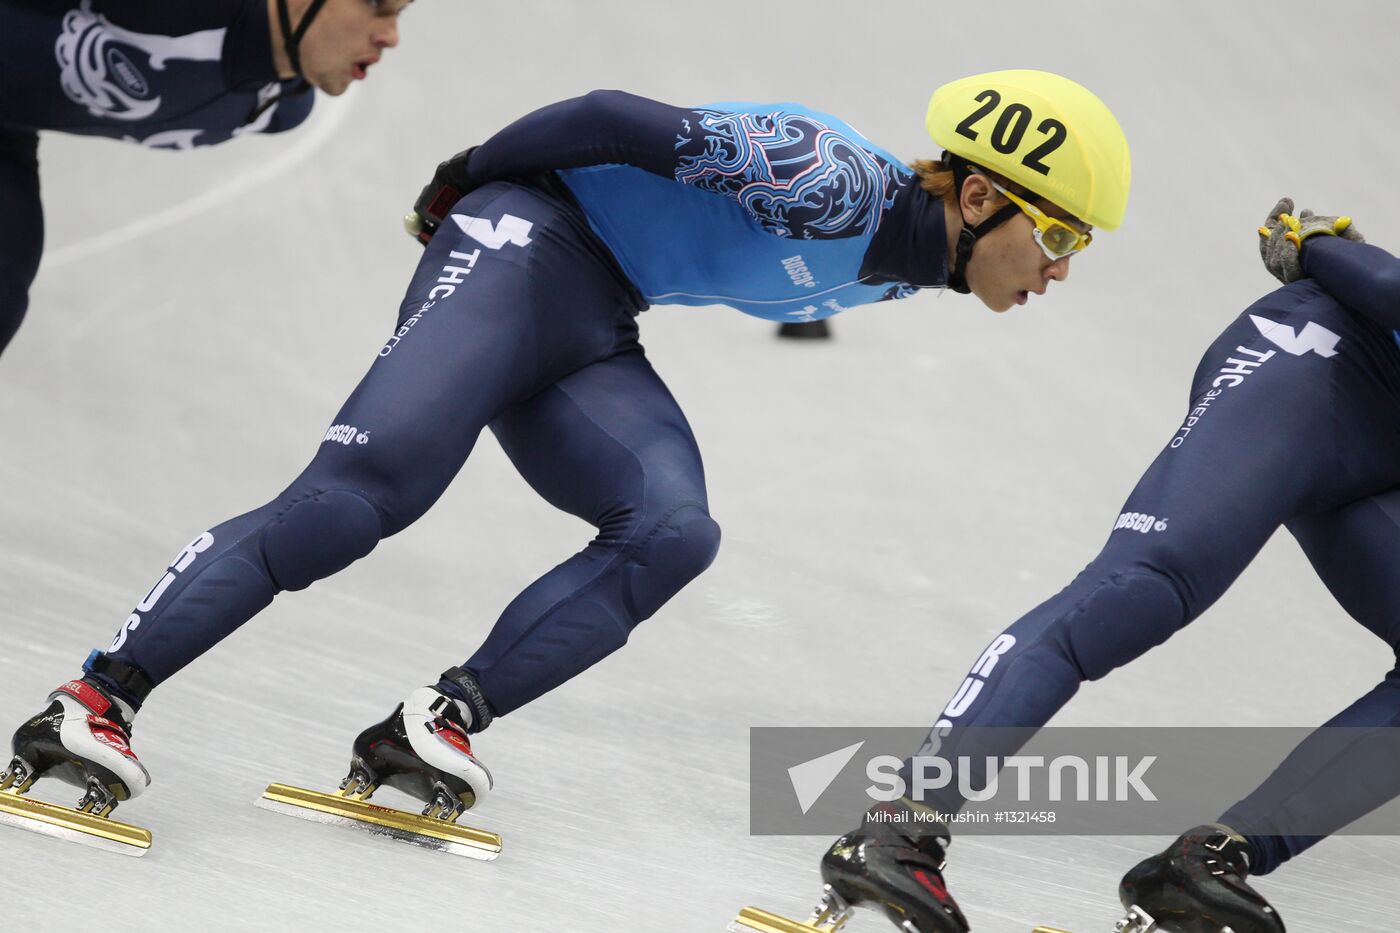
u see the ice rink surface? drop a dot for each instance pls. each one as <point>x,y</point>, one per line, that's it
<point>890,499</point>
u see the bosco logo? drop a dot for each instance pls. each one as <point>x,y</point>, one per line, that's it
<point>1139,522</point>
<point>346,434</point>
<point>796,268</point>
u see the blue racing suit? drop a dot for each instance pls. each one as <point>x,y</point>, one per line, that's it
<point>522,317</point>
<point>813,218</point>
<point>165,75</point>
<point>1294,421</point>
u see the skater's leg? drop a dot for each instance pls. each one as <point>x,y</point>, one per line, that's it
<point>1289,389</point>
<point>481,328</point>
<point>1259,448</point>
<point>22,229</point>
<point>610,445</point>
<point>1352,765</point>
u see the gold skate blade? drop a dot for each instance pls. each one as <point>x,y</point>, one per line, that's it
<point>1048,930</point>
<point>50,819</point>
<point>413,828</point>
<point>752,918</point>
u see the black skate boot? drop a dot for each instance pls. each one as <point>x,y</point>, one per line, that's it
<point>83,738</point>
<point>422,749</point>
<point>1196,886</point>
<point>894,862</point>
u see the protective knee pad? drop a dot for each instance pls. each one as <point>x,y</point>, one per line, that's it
<point>676,552</point>
<point>320,536</point>
<point>1126,615</point>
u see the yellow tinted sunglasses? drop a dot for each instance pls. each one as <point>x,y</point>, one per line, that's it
<point>1056,238</point>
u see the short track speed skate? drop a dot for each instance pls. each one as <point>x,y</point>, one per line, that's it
<point>82,738</point>
<point>1196,886</point>
<point>893,863</point>
<point>422,750</point>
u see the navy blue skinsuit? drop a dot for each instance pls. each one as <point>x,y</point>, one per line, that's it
<point>1294,420</point>
<point>165,75</point>
<point>522,317</point>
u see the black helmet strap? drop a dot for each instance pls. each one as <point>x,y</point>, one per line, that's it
<point>968,235</point>
<point>291,39</point>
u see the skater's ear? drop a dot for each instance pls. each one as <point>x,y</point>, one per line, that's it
<point>978,199</point>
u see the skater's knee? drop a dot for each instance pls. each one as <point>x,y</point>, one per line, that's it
<point>686,544</point>
<point>676,551</point>
<point>1124,616</point>
<point>320,535</point>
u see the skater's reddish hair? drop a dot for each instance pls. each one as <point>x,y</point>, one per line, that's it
<point>937,179</point>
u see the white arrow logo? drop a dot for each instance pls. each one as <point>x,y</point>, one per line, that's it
<point>1313,337</point>
<point>510,229</point>
<point>811,778</point>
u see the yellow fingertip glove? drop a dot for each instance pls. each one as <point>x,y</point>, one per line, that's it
<point>1293,225</point>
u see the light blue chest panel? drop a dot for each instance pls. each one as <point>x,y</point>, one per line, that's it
<point>772,211</point>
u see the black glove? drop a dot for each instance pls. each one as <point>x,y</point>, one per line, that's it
<point>1281,238</point>
<point>449,185</point>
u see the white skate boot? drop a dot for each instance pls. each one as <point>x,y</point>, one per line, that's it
<point>83,738</point>
<point>423,750</point>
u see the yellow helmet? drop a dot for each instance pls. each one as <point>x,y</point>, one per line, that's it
<point>1042,131</point>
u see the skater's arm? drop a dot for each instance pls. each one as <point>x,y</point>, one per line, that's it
<point>600,128</point>
<point>794,175</point>
<point>1365,278</point>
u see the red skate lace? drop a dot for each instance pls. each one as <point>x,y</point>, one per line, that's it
<point>452,734</point>
<point>110,734</point>
<point>933,884</point>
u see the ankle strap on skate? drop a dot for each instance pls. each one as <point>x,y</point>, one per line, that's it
<point>128,679</point>
<point>467,687</point>
<point>1229,846</point>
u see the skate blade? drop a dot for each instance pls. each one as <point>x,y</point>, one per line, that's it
<point>50,819</point>
<point>1048,930</point>
<point>413,828</point>
<point>752,919</point>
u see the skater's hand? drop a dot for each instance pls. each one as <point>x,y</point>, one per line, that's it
<point>1281,238</point>
<point>450,184</point>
